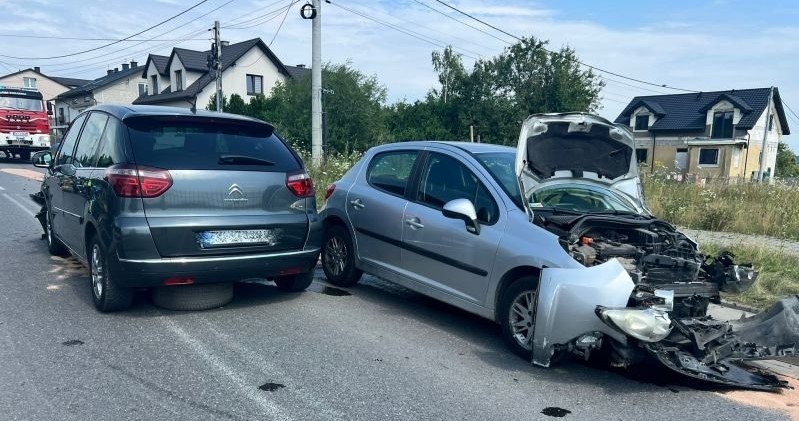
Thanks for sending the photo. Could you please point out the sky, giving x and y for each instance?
(697, 45)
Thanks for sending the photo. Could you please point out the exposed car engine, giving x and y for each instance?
(657, 257)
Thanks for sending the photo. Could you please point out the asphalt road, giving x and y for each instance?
(382, 352)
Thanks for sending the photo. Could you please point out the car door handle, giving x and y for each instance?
(357, 204)
(414, 223)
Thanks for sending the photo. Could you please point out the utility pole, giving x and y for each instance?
(765, 137)
(217, 52)
(316, 84)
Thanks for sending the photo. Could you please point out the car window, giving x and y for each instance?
(190, 143)
(68, 144)
(501, 165)
(110, 151)
(579, 198)
(445, 178)
(390, 171)
(89, 139)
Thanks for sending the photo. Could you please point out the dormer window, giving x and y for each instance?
(642, 122)
(154, 79)
(722, 125)
(178, 80)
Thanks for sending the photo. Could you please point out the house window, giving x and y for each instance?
(770, 122)
(178, 80)
(155, 84)
(709, 156)
(142, 89)
(61, 116)
(642, 122)
(722, 125)
(255, 84)
(641, 155)
(29, 82)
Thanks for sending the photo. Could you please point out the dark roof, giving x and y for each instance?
(160, 63)
(65, 81)
(103, 81)
(298, 72)
(230, 55)
(70, 82)
(688, 112)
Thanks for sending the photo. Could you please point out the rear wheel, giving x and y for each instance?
(338, 258)
(107, 295)
(193, 297)
(517, 315)
(54, 246)
(295, 283)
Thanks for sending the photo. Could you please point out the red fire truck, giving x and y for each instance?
(24, 126)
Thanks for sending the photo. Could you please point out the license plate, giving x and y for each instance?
(20, 134)
(208, 239)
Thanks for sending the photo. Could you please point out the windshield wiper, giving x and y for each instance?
(243, 160)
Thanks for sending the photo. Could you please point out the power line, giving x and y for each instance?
(111, 43)
(620, 83)
(233, 22)
(87, 39)
(288, 8)
(599, 69)
(789, 109)
(408, 32)
(462, 22)
(250, 23)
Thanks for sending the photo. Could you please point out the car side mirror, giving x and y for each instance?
(463, 209)
(42, 159)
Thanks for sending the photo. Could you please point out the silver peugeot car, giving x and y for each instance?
(553, 240)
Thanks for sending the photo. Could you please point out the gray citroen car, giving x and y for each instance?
(553, 240)
(164, 197)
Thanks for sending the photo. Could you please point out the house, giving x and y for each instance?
(49, 86)
(118, 86)
(183, 79)
(709, 134)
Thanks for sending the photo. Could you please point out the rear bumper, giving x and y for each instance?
(212, 269)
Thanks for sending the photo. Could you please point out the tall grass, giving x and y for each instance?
(746, 208)
(332, 168)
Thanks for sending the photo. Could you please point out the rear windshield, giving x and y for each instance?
(208, 144)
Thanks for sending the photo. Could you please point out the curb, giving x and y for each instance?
(736, 306)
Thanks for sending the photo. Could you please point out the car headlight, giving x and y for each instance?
(648, 325)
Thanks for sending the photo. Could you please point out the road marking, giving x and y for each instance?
(29, 174)
(2, 188)
(251, 391)
(21, 206)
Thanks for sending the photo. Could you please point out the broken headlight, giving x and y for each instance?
(648, 325)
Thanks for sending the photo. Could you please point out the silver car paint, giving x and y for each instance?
(522, 244)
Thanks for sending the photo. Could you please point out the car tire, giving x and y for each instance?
(54, 245)
(294, 283)
(193, 297)
(107, 294)
(338, 257)
(523, 291)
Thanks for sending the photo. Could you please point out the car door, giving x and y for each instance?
(60, 180)
(79, 189)
(375, 205)
(439, 251)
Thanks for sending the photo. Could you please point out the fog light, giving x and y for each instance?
(178, 280)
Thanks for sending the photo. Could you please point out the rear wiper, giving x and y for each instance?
(243, 160)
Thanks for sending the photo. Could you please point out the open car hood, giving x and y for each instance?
(578, 146)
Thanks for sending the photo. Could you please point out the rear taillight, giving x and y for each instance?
(329, 192)
(132, 181)
(300, 184)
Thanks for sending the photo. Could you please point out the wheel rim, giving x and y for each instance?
(521, 318)
(97, 270)
(335, 256)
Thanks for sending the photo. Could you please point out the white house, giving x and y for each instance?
(183, 78)
(50, 87)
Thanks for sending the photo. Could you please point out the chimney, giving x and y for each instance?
(133, 64)
(37, 69)
(116, 69)
(224, 43)
(110, 71)
(125, 66)
(301, 66)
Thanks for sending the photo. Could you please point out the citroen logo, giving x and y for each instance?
(234, 194)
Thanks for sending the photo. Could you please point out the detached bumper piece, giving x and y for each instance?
(718, 351)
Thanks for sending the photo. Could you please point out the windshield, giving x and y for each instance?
(501, 167)
(580, 198)
(20, 103)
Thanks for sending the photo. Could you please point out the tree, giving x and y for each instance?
(786, 162)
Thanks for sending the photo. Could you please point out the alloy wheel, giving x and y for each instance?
(335, 255)
(98, 272)
(522, 318)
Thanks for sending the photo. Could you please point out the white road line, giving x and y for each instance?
(21, 206)
(251, 391)
(2, 188)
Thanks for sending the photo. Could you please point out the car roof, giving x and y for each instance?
(470, 147)
(127, 111)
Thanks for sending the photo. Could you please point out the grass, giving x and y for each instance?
(779, 273)
(745, 208)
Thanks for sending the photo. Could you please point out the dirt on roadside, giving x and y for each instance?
(785, 401)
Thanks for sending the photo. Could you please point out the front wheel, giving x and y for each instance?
(517, 315)
(54, 245)
(107, 295)
(338, 257)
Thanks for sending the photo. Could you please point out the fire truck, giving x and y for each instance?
(24, 126)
